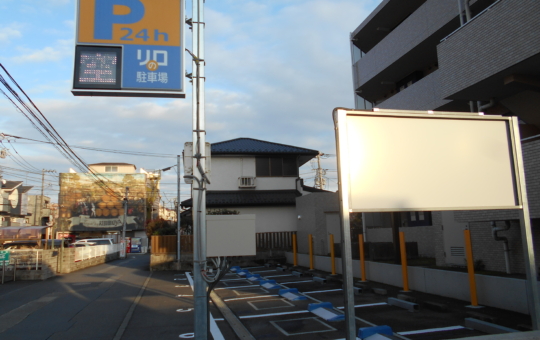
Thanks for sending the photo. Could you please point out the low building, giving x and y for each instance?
(257, 177)
(92, 204)
(14, 203)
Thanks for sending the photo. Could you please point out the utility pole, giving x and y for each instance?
(320, 180)
(198, 187)
(178, 238)
(123, 251)
(43, 171)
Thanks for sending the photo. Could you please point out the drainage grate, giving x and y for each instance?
(270, 304)
(302, 326)
(457, 251)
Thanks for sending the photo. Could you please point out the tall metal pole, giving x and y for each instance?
(123, 251)
(199, 167)
(178, 208)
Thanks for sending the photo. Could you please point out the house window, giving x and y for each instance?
(111, 169)
(276, 167)
(419, 218)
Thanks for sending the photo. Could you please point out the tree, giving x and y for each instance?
(160, 227)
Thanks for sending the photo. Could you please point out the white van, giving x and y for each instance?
(96, 241)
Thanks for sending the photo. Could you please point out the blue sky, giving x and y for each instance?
(275, 71)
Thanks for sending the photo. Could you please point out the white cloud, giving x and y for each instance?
(62, 49)
(8, 33)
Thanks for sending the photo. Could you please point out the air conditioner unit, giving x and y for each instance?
(246, 182)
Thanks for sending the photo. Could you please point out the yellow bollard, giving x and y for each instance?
(362, 257)
(404, 261)
(332, 254)
(295, 260)
(310, 240)
(470, 267)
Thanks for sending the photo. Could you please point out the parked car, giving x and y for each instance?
(96, 241)
(34, 244)
(82, 244)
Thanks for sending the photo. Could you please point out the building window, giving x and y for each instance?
(111, 169)
(276, 167)
(419, 218)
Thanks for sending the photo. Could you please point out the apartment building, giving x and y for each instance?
(457, 55)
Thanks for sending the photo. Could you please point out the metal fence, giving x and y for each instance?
(281, 240)
(25, 259)
(84, 253)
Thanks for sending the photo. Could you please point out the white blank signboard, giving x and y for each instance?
(230, 235)
(429, 162)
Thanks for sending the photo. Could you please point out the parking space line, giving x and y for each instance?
(272, 314)
(249, 297)
(254, 267)
(248, 286)
(232, 280)
(214, 329)
(367, 305)
(323, 291)
(278, 276)
(432, 330)
(264, 271)
(288, 283)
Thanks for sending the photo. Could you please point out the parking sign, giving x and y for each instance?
(129, 48)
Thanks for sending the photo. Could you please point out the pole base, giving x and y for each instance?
(474, 307)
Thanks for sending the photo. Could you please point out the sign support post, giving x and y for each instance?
(527, 239)
(199, 168)
(344, 209)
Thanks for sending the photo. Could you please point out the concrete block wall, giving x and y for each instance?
(475, 52)
(423, 236)
(493, 291)
(312, 210)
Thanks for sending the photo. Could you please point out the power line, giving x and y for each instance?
(124, 152)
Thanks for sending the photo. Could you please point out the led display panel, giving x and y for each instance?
(97, 67)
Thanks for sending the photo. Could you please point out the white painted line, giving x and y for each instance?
(272, 314)
(288, 283)
(263, 271)
(267, 277)
(367, 305)
(323, 291)
(253, 267)
(179, 279)
(249, 297)
(214, 329)
(184, 295)
(181, 286)
(432, 330)
(219, 319)
(248, 286)
(233, 280)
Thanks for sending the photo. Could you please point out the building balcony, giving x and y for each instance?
(408, 48)
(495, 55)
(423, 95)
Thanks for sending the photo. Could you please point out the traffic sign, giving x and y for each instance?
(129, 48)
(4, 255)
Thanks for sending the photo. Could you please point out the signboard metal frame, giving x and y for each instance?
(345, 190)
(126, 91)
